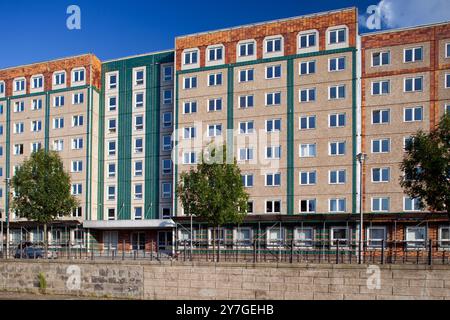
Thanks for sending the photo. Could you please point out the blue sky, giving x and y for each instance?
(34, 31)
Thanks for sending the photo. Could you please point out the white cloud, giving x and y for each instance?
(405, 13)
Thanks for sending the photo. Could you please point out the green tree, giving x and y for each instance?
(42, 189)
(214, 190)
(426, 165)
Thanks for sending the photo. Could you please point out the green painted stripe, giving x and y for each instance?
(88, 153)
(8, 155)
(101, 154)
(47, 122)
(290, 137)
(230, 113)
(354, 125)
(175, 153)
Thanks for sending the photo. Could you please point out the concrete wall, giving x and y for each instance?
(228, 281)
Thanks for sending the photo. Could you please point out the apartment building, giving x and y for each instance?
(405, 88)
(53, 106)
(134, 167)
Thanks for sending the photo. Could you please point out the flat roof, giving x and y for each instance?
(47, 61)
(420, 26)
(139, 55)
(322, 13)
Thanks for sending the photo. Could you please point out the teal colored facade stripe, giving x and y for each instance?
(88, 146)
(354, 125)
(47, 122)
(175, 158)
(101, 155)
(230, 112)
(8, 154)
(290, 137)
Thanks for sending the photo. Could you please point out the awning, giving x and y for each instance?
(129, 224)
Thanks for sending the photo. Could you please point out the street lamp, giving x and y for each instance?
(361, 157)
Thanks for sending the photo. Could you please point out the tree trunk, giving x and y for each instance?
(214, 243)
(45, 240)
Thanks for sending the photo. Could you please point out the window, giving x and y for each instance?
(273, 125)
(19, 85)
(413, 54)
(380, 204)
(214, 130)
(166, 213)
(246, 49)
(112, 147)
(1, 129)
(304, 237)
(37, 82)
(167, 143)
(381, 145)
(166, 190)
(308, 178)
(77, 166)
(77, 143)
(444, 237)
(189, 158)
(19, 106)
(138, 122)
(273, 72)
(166, 166)
(337, 148)
(167, 96)
(246, 127)
(245, 154)
(138, 145)
(273, 152)
(139, 77)
(447, 109)
(137, 213)
(36, 146)
(380, 116)
(250, 207)
(18, 127)
(273, 99)
(2, 87)
(243, 236)
(215, 54)
(78, 75)
(138, 191)
(416, 237)
(447, 80)
(376, 237)
(190, 82)
(189, 133)
(58, 145)
(381, 87)
(36, 104)
(275, 236)
(447, 50)
(336, 64)
(273, 206)
(308, 150)
(381, 58)
(77, 213)
(112, 81)
(215, 105)
(411, 204)
(111, 170)
(247, 180)
(36, 125)
(413, 114)
(215, 79)
(190, 57)
(246, 101)
(138, 168)
(307, 67)
(59, 78)
(77, 189)
(337, 205)
(167, 119)
(190, 107)
(413, 84)
(77, 121)
(407, 142)
(58, 123)
(246, 75)
(139, 100)
(112, 103)
(273, 45)
(112, 125)
(308, 206)
(307, 122)
(337, 177)
(307, 95)
(113, 242)
(381, 174)
(18, 149)
(58, 101)
(336, 120)
(168, 73)
(307, 40)
(337, 36)
(336, 92)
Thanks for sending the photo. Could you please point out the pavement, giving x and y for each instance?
(31, 296)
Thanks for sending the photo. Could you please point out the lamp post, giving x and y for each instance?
(361, 157)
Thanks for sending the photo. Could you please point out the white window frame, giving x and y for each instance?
(382, 169)
(414, 59)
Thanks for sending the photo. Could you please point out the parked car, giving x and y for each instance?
(28, 250)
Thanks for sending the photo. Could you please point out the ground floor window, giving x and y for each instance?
(219, 234)
(415, 237)
(138, 241)
(243, 236)
(275, 236)
(376, 236)
(304, 237)
(110, 240)
(78, 237)
(340, 235)
(444, 237)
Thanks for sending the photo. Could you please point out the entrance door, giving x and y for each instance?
(138, 241)
(110, 240)
(165, 241)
